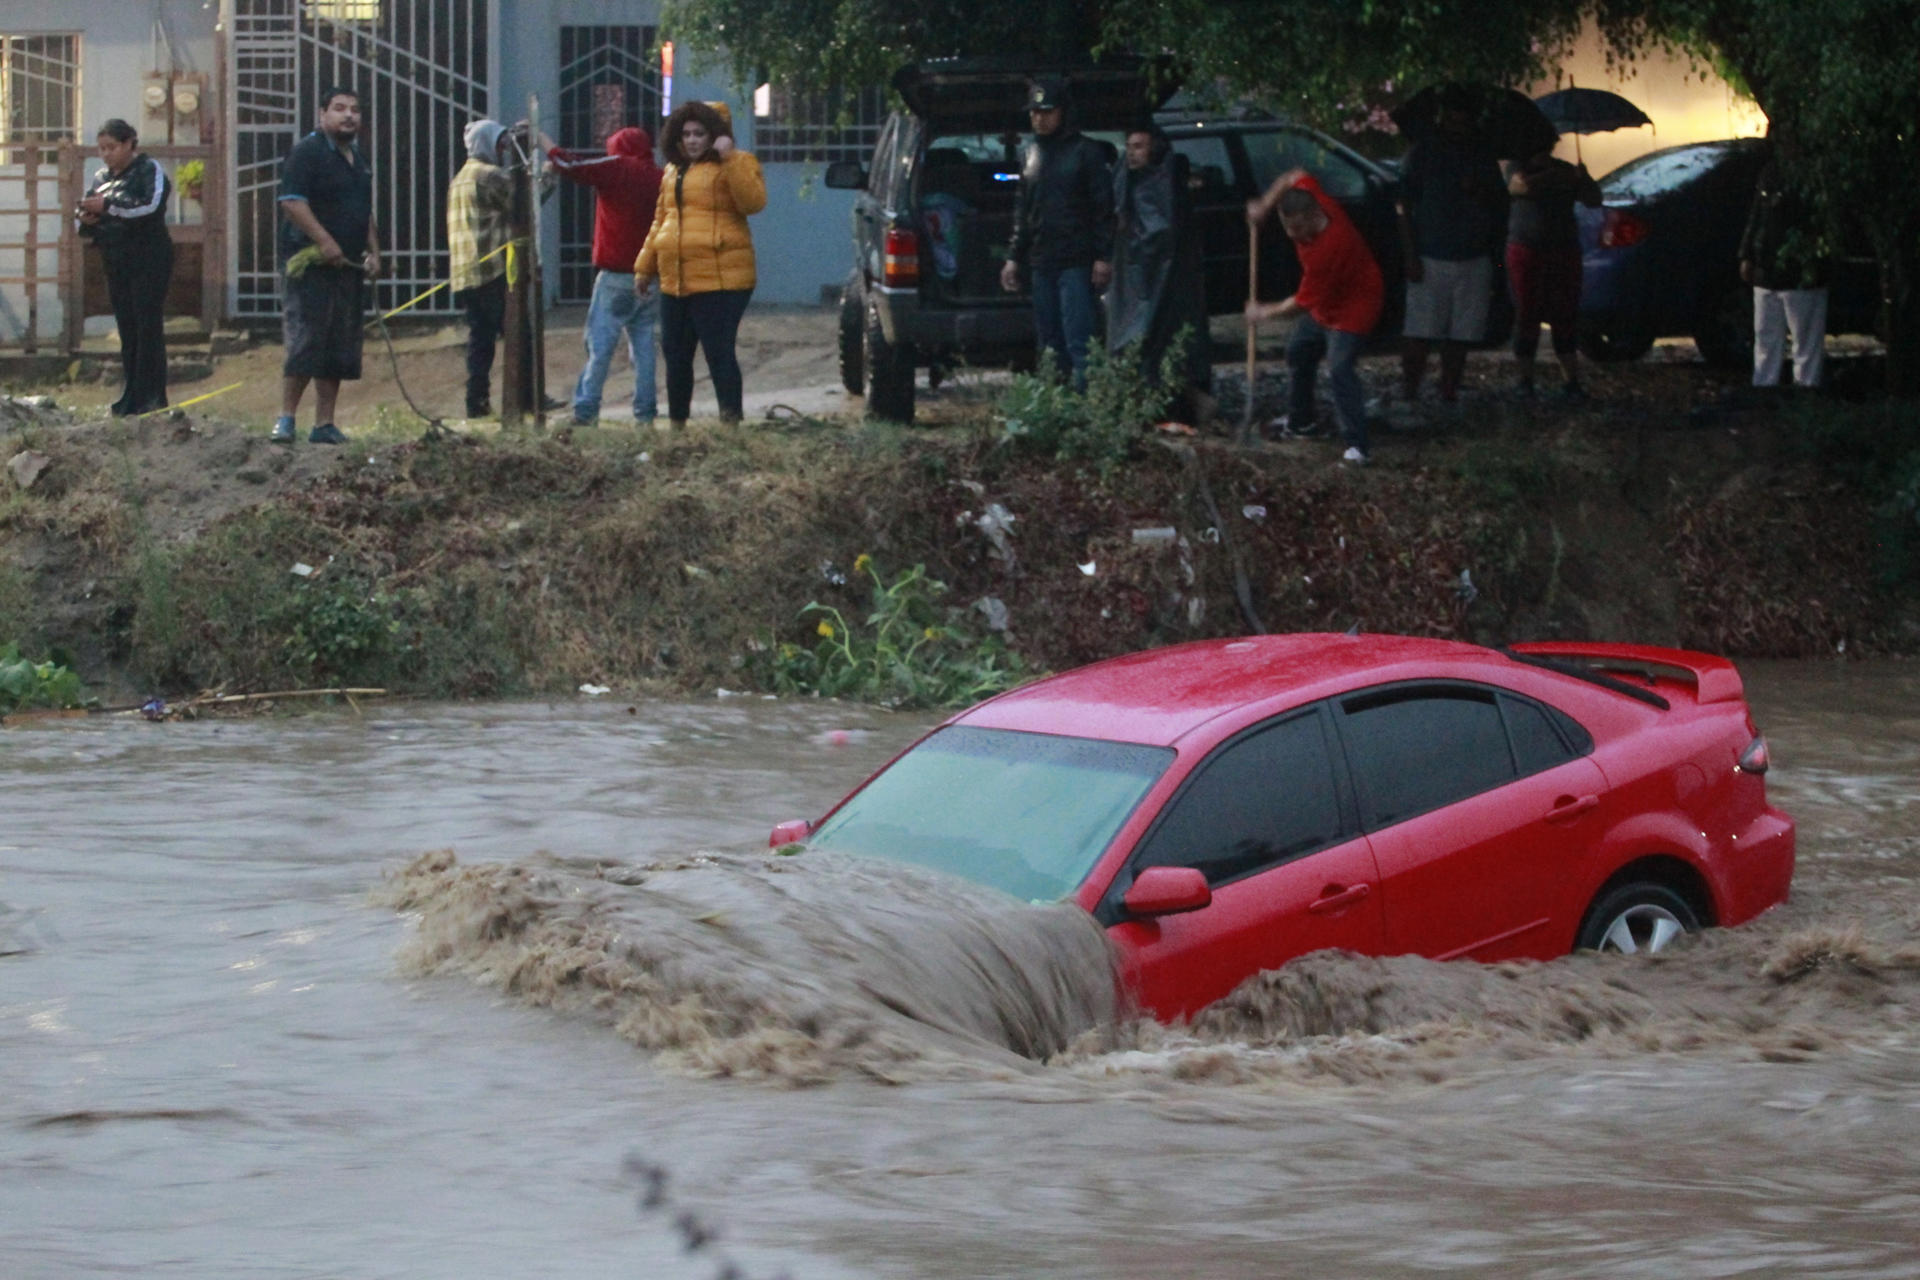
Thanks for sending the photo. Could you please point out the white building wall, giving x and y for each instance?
(118, 48)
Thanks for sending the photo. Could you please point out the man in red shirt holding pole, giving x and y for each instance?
(1337, 304)
(626, 183)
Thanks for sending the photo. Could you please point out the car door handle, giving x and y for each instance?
(1567, 808)
(1334, 898)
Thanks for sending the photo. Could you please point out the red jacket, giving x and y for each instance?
(626, 185)
(1340, 283)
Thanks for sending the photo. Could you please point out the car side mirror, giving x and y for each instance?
(1167, 891)
(790, 832)
(846, 175)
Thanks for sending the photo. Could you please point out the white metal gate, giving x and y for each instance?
(421, 70)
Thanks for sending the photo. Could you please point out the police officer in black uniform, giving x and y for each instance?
(1062, 228)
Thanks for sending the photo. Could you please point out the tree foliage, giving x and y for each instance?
(1839, 75)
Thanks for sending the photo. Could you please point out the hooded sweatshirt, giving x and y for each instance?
(699, 242)
(626, 184)
(479, 210)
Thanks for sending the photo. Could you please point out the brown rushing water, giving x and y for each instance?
(223, 1052)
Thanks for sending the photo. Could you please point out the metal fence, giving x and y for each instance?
(420, 68)
(609, 79)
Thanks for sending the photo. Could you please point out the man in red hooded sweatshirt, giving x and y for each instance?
(1338, 303)
(626, 184)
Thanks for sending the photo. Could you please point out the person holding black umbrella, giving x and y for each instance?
(1543, 260)
(1452, 201)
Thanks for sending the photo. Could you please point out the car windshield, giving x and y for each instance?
(1027, 813)
(1662, 171)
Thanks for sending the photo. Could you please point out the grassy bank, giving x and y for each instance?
(169, 559)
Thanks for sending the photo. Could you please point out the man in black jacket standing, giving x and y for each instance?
(1062, 229)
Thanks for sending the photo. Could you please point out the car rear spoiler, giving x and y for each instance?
(1714, 678)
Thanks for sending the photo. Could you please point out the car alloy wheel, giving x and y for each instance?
(1643, 928)
(1637, 919)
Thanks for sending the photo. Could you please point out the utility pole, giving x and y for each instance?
(523, 369)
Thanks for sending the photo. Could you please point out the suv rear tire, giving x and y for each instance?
(889, 373)
(853, 356)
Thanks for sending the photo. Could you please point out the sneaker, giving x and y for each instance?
(577, 421)
(283, 432)
(1355, 456)
(480, 409)
(326, 433)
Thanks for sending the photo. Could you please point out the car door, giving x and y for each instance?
(1477, 807)
(1220, 212)
(1269, 818)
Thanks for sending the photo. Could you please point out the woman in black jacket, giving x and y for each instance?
(124, 213)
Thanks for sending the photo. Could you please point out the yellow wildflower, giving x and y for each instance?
(931, 633)
(862, 562)
(825, 629)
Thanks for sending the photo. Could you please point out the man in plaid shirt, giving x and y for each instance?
(479, 225)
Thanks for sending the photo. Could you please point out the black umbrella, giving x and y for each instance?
(1590, 111)
(1505, 119)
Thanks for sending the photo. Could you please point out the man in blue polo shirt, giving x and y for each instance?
(326, 202)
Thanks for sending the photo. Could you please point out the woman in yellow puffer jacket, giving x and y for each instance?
(701, 253)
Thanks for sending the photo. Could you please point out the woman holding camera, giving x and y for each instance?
(124, 213)
(701, 253)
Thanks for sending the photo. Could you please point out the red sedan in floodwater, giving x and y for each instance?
(1225, 806)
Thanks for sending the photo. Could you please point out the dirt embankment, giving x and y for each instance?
(172, 555)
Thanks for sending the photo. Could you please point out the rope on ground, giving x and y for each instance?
(436, 426)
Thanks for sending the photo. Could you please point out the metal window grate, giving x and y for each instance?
(609, 79)
(817, 127)
(420, 68)
(39, 94)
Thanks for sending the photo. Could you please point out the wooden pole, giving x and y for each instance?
(1253, 295)
(516, 372)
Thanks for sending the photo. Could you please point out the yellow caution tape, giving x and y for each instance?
(513, 278)
(188, 404)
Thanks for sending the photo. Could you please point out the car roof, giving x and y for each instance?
(1160, 696)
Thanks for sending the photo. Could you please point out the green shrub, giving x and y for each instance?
(1101, 425)
(910, 651)
(337, 628)
(25, 684)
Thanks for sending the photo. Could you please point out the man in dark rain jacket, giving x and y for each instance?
(1062, 228)
(1159, 288)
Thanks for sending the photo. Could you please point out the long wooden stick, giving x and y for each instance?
(1253, 295)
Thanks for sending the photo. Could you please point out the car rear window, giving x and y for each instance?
(1027, 813)
(1416, 750)
(1537, 741)
(1663, 171)
(1271, 152)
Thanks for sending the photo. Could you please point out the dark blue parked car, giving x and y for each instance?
(1661, 257)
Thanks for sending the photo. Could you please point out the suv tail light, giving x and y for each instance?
(900, 266)
(1754, 759)
(1622, 230)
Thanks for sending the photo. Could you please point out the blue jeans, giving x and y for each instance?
(614, 308)
(1063, 317)
(1307, 345)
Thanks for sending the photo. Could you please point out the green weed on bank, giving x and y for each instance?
(910, 651)
(28, 685)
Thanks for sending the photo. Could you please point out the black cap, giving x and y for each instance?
(1046, 94)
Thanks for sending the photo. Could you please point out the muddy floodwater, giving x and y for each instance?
(458, 991)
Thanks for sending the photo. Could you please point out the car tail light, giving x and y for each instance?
(901, 265)
(1622, 230)
(1754, 758)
